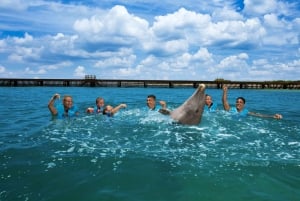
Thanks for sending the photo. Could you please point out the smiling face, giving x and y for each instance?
(240, 103)
(208, 100)
(67, 102)
(151, 101)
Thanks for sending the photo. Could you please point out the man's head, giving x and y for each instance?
(240, 103)
(100, 102)
(151, 101)
(67, 101)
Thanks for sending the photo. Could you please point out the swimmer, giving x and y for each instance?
(240, 107)
(98, 108)
(151, 103)
(66, 109)
(110, 111)
(209, 106)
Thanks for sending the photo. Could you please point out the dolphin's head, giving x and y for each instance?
(190, 112)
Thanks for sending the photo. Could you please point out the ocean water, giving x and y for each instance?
(137, 155)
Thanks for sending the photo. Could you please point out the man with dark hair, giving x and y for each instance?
(151, 103)
(240, 109)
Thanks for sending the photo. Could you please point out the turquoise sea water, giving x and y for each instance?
(138, 155)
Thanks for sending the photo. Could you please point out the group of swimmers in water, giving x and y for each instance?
(67, 109)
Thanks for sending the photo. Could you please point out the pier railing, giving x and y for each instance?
(93, 82)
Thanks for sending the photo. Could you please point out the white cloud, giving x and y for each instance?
(234, 67)
(271, 20)
(182, 24)
(27, 39)
(116, 26)
(260, 7)
(125, 72)
(79, 71)
(114, 62)
(264, 70)
(203, 55)
(226, 13)
(24, 53)
(93, 25)
(280, 32)
(2, 69)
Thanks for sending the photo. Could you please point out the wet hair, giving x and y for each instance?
(98, 99)
(104, 110)
(152, 96)
(243, 99)
(67, 96)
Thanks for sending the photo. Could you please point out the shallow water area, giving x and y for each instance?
(142, 155)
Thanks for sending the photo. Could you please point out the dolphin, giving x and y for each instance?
(190, 112)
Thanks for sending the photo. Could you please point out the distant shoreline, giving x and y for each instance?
(93, 82)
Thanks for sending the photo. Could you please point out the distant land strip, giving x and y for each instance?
(91, 81)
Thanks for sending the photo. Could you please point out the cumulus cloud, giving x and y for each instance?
(116, 26)
(234, 66)
(226, 13)
(22, 54)
(278, 7)
(260, 7)
(182, 24)
(272, 20)
(26, 39)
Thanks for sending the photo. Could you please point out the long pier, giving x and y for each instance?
(93, 82)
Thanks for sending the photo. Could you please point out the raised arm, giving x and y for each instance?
(275, 116)
(163, 109)
(226, 105)
(51, 107)
(163, 104)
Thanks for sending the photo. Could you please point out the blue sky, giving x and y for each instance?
(136, 39)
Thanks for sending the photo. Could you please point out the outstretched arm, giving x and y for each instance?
(116, 109)
(226, 105)
(275, 116)
(51, 107)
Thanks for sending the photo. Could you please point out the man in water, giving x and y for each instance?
(151, 103)
(66, 109)
(240, 109)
